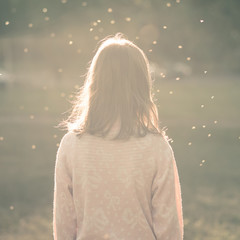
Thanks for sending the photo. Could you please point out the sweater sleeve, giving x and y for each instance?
(64, 216)
(166, 197)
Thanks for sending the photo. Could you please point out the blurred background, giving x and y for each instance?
(194, 51)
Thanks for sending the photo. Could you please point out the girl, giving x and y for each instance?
(115, 175)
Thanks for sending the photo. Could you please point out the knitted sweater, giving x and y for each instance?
(116, 190)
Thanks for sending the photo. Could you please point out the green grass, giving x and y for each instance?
(210, 192)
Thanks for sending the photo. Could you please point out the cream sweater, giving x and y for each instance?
(116, 190)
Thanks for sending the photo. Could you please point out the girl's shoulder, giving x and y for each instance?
(68, 138)
(161, 142)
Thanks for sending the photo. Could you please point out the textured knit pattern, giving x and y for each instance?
(116, 190)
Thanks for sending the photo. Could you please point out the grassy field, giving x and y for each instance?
(210, 188)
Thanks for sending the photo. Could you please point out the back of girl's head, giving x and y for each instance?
(117, 88)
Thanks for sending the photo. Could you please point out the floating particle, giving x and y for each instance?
(171, 141)
(33, 146)
(106, 236)
(70, 42)
(0, 74)
(203, 126)
(201, 20)
(91, 29)
(158, 90)
(203, 161)
(200, 164)
(180, 46)
(25, 50)
(62, 94)
(128, 19)
(1, 138)
(193, 127)
(112, 21)
(212, 97)
(64, 1)
(109, 10)
(137, 37)
(188, 59)
(52, 35)
(189, 144)
(98, 20)
(95, 24)
(171, 92)
(177, 1)
(150, 50)
(30, 25)
(205, 72)
(79, 50)
(55, 136)
(154, 42)
(177, 78)
(215, 121)
(239, 137)
(7, 23)
(96, 37)
(164, 27)
(209, 135)
(21, 107)
(11, 207)
(46, 18)
(84, 4)
(44, 10)
(163, 76)
(31, 116)
(46, 108)
(202, 106)
(60, 70)
(169, 4)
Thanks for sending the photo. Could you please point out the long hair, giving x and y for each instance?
(117, 88)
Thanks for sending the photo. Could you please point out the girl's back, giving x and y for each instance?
(117, 190)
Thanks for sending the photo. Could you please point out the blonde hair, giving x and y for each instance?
(117, 86)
